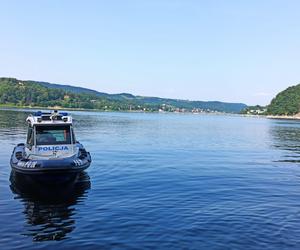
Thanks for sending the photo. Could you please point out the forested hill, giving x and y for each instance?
(16, 92)
(286, 102)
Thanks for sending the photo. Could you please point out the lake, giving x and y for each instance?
(162, 181)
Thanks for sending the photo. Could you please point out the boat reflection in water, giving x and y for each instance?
(49, 210)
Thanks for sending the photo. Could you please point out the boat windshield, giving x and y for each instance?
(53, 135)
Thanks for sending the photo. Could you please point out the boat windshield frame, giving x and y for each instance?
(67, 128)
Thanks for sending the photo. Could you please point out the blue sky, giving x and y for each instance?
(234, 51)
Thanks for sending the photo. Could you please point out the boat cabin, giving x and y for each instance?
(50, 133)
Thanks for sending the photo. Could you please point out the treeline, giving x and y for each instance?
(286, 102)
(31, 93)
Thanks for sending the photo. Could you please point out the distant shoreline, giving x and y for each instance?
(108, 110)
(274, 117)
(46, 108)
(284, 117)
(70, 109)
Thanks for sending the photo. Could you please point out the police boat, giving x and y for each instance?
(51, 148)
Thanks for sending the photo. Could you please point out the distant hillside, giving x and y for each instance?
(80, 90)
(286, 102)
(33, 93)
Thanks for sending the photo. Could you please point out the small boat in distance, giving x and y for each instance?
(51, 152)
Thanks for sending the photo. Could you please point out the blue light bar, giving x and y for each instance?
(38, 113)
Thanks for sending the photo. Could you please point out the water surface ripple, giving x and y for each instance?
(161, 181)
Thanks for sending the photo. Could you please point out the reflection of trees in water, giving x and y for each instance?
(12, 126)
(49, 211)
(13, 118)
(286, 136)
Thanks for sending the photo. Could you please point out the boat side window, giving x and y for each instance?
(53, 135)
(30, 136)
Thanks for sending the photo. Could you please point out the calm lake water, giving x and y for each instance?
(163, 181)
